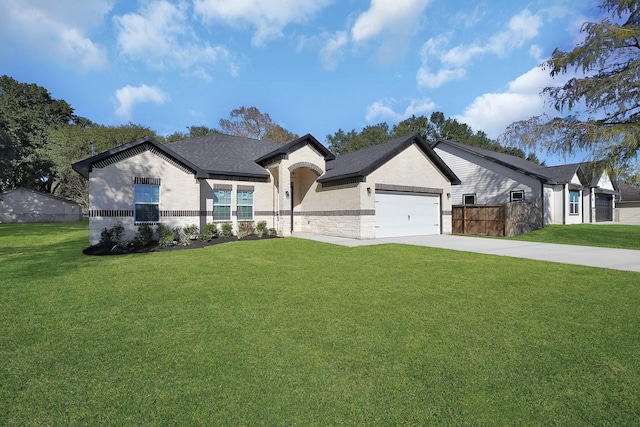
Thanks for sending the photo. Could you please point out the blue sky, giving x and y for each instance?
(314, 65)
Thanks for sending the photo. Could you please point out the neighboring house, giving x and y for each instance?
(628, 204)
(397, 188)
(25, 205)
(603, 189)
(569, 194)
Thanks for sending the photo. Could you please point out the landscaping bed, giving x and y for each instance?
(129, 248)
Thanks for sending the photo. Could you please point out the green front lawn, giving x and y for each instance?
(605, 236)
(296, 332)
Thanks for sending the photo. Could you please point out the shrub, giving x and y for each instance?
(261, 228)
(165, 235)
(245, 228)
(113, 235)
(117, 232)
(180, 236)
(273, 232)
(106, 236)
(191, 231)
(209, 231)
(226, 229)
(144, 235)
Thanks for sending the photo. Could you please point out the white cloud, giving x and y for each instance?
(160, 35)
(493, 112)
(58, 29)
(128, 96)
(333, 48)
(379, 112)
(268, 17)
(431, 49)
(388, 16)
(536, 52)
(427, 79)
(522, 28)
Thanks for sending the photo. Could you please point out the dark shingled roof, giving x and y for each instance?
(512, 162)
(628, 193)
(564, 173)
(83, 167)
(284, 150)
(207, 156)
(589, 173)
(220, 154)
(593, 172)
(361, 163)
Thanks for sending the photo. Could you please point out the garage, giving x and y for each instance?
(407, 214)
(604, 207)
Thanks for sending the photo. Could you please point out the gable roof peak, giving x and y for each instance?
(294, 145)
(360, 163)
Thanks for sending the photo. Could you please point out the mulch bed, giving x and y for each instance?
(102, 249)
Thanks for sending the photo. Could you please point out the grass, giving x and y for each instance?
(295, 332)
(605, 236)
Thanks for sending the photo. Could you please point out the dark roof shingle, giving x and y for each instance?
(220, 154)
(628, 193)
(362, 162)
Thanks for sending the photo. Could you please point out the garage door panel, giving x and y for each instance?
(604, 208)
(407, 214)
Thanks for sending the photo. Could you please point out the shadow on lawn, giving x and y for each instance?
(46, 259)
(31, 229)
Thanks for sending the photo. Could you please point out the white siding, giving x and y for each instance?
(558, 204)
(629, 213)
(491, 182)
(605, 182)
(549, 204)
(25, 205)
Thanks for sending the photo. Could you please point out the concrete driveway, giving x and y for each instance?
(616, 259)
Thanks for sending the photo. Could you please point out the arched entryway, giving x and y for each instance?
(303, 186)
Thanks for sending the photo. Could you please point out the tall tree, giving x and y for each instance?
(342, 143)
(433, 128)
(600, 106)
(27, 114)
(192, 132)
(251, 123)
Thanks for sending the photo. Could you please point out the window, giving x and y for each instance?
(574, 203)
(517, 196)
(468, 199)
(222, 205)
(146, 203)
(245, 205)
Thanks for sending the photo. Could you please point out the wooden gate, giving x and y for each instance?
(479, 220)
(503, 220)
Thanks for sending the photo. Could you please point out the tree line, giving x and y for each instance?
(40, 137)
(599, 111)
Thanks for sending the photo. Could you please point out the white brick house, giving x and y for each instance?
(397, 188)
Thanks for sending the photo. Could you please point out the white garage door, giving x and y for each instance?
(407, 214)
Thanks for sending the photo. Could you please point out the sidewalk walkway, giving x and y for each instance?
(616, 259)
